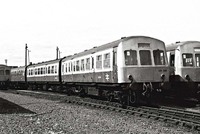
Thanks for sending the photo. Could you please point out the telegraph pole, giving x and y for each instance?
(26, 48)
(57, 51)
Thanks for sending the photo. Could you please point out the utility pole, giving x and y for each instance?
(6, 61)
(57, 53)
(28, 56)
(26, 48)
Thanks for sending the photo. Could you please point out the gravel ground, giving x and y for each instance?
(53, 117)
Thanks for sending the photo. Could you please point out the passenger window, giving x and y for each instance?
(66, 67)
(197, 57)
(187, 59)
(36, 71)
(69, 67)
(107, 60)
(52, 69)
(49, 70)
(115, 58)
(7, 72)
(145, 57)
(99, 62)
(88, 64)
(130, 57)
(77, 65)
(82, 65)
(39, 71)
(55, 69)
(158, 56)
(1, 72)
(92, 62)
(74, 66)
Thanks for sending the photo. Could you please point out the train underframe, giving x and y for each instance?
(4, 85)
(186, 90)
(125, 93)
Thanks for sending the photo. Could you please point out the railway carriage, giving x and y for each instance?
(126, 69)
(44, 75)
(4, 76)
(184, 59)
(18, 77)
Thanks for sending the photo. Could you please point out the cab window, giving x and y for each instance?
(130, 57)
(145, 57)
(158, 56)
(187, 59)
(197, 58)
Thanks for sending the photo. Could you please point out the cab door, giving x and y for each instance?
(115, 71)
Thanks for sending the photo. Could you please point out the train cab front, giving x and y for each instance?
(190, 73)
(143, 64)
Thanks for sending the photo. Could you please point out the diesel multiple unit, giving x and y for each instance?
(127, 69)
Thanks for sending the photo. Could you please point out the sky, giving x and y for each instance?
(76, 25)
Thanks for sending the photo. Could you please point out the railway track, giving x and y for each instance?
(167, 114)
(170, 115)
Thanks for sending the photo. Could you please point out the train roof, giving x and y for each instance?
(106, 46)
(93, 50)
(18, 68)
(45, 62)
(173, 46)
(5, 66)
(2, 65)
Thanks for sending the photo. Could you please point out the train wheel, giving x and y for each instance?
(124, 99)
(82, 92)
(45, 87)
(134, 98)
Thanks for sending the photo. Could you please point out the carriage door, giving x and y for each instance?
(115, 80)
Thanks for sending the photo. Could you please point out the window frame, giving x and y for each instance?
(107, 60)
(132, 54)
(99, 61)
(157, 63)
(196, 59)
(185, 62)
(142, 59)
